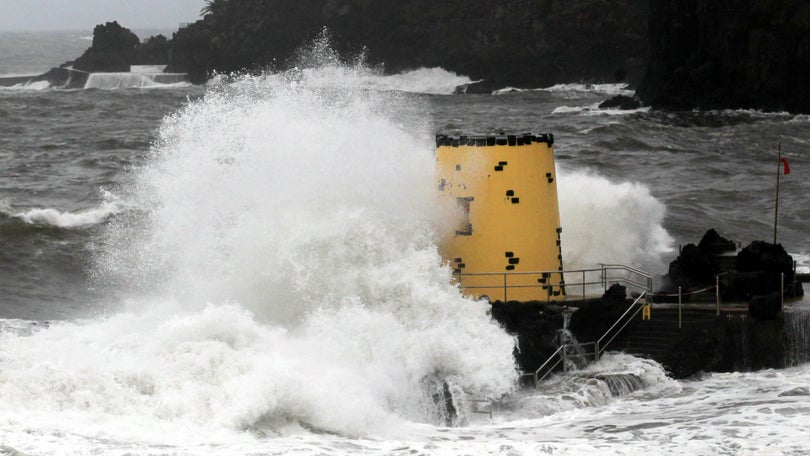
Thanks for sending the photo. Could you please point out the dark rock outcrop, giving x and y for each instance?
(156, 50)
(622, 102)
(112, 50)
(765, 263)
(717, 54)
(535, 324)
(697, 265)
(755, 271)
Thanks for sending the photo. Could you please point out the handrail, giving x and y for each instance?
(537, 372)
(625, 267)
(642, 282)
(561, 352)
(601, 348)
(629, 308)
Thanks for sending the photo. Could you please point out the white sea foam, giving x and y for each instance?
(28, 86)
(66, 219)
(435, 81)
(607, 222)
(595, 110)
(609, 89)
(606, 89)
(424, 80)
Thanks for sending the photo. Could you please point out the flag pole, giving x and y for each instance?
(776, 207)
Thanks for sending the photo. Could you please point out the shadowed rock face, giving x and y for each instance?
(716, 54)
(523, 43)
(112, 49)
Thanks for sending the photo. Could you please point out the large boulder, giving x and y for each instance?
(767, 262)
(622, 102)
(697, 265)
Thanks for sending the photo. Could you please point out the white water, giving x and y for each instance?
(607, 222)
(132, 80)
(606, 89)
(424, 80)
(28, 86)
(434, 81)
(595, 110)
(65, 219)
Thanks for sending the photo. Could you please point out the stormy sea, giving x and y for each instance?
(250, 267)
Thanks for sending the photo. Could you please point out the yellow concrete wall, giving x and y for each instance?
(514, 230)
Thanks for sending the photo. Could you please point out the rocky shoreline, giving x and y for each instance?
(680, 55)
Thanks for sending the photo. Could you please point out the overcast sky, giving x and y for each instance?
(85, 14)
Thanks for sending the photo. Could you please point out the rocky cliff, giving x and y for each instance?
(712, 54)
(116, 49)
(527, 43)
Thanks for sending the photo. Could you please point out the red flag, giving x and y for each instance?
(785, 165)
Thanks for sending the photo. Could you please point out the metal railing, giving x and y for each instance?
(589, 280)
(562, 353)
(600, 347)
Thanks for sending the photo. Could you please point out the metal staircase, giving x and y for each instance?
(590, 351)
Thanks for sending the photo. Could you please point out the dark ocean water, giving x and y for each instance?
(250, 268)
(62, 150)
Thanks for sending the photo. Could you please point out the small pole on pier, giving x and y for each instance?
(780, 162)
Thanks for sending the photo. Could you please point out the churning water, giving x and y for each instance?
(251, 268)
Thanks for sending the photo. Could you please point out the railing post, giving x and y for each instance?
(680, 301)
(604, 278)
(717, 293)
(583, 284)
(504, 288)
(782, 290)
(596, 351)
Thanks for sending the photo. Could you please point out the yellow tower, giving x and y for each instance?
(507, 245)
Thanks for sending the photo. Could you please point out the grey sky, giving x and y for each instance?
(85, 14)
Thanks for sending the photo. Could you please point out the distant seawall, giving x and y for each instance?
(66, 78)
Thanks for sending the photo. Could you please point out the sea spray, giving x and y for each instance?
(280, 260)
(607, 222)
